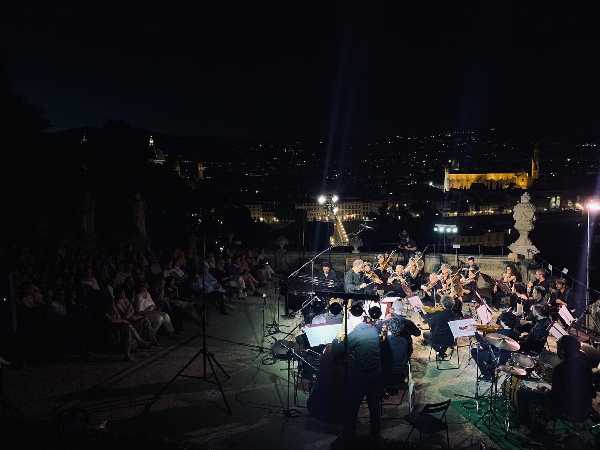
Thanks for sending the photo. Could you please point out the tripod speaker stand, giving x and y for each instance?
(207, 357)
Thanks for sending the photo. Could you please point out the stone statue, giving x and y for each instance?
(139, 215)
(88, 216)
(356, 242)
(524, 215)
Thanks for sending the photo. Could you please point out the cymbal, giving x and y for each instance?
(523, 361)
(517, 371)
(502, 342)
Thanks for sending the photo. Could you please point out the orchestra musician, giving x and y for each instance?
(503, 286)
(469, 284)
(438, 281)
(373, 280)
(327, 272)
(471, 265)
(564, 296)
(406, 245)
(397, 347)
(440, 336)
(397, 282)
(364, 379)
(535, 340)
(540, 280)
(354, 281)
(413, 272)
(486, 355)
(383, 267)
(572, 386)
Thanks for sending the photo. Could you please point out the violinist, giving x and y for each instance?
(471, 265)
(397, 282)
(413, 272)
(383, 268)
(372, 278)
(469, 284)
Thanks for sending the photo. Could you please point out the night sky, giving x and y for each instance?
(290, 69)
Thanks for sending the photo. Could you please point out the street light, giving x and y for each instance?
(592, 207)
(444, 229)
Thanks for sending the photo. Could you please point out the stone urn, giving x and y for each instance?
(282, 242)
(524, 215)
(356, 243)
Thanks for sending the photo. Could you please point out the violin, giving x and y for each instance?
(403, 284)
(385, 265)
(433, 280)
(373, 277)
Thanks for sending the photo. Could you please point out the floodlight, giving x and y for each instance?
(593, 205)
(321, 199)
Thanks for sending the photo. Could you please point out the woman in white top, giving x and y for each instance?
(146, 306)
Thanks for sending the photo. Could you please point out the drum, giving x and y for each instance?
(546, 363)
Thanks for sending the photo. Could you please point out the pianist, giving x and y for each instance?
(354, 279)
(327, 273)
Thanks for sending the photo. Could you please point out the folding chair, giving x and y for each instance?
(454, 348)
(431, 419)
(406, 388)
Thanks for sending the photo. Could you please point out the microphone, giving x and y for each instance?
(366, 226)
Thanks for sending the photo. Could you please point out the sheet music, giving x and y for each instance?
(464, 327)
(566, 315)
(484, 314)
(415, 302)
(322, 334)
(557, 330)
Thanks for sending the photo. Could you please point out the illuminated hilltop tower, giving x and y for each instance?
(494, 180)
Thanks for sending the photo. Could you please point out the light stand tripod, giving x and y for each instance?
(272, 327)
(491, 412)
(206, 355)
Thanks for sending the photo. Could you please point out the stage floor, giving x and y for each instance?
(192, 414)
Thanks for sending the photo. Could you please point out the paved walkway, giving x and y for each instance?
(116, 394)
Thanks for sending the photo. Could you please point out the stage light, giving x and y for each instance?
(334, 198)
(375, 312)
(335, 210)
(321, 199)
(435, 229)
(593, 205)
(357, 310)
(335, 308)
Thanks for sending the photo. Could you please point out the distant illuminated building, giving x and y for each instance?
(201, 169)
(155, 154)
(494, 180)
